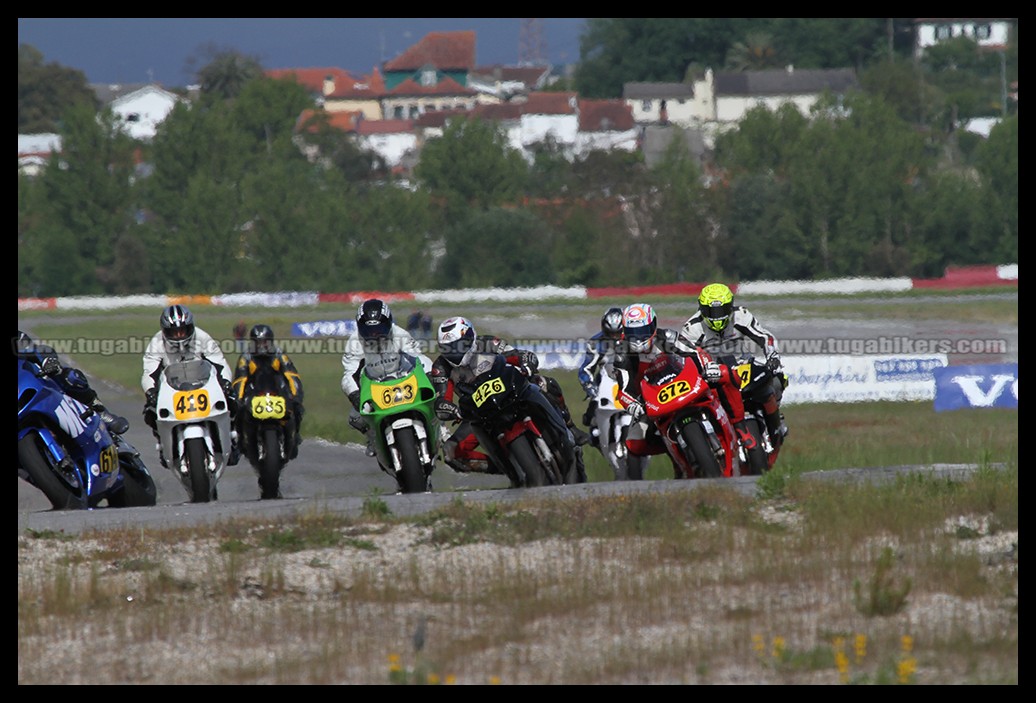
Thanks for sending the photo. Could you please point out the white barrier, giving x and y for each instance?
(852, 379)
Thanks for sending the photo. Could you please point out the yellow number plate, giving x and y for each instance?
(490, 387)
(387, 396)
(109, 459)
(268, 407)
(745, 372)
(188, 405)
(673, 391)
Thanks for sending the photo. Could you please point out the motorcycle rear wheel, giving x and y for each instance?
(411, 476)
(525, 456)
(194, 449)
(699, 452)
(60, 493)
(270, 466)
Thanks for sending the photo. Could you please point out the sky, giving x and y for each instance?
(139, 50)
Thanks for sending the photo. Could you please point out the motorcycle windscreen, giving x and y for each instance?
(188, 374)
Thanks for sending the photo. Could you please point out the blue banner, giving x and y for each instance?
(985, 386)
(323, 328)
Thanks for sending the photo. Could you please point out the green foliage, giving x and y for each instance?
(497, 247)
(471, 166)
(47, 90)
(883, 596)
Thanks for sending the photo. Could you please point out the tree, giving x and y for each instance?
(471, 165)
(755, 53)
(226, 72)
(496, 247)
(46, 91)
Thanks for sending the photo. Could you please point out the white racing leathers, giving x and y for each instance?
(400, 341)
(156, 355)
(743, 336)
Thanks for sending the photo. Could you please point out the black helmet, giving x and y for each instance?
(177, 327)
(262, 340)
(374, 320)
(611, 323)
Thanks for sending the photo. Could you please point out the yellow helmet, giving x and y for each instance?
(716, 304)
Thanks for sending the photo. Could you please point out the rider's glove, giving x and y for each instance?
(50, 365)
(774, 362)
(150, 398)
(357, 422)
(529, 360)
(354, 398)
(590, 391)
(446, 411)
(712, 371)
(228, 391)
(636, 410)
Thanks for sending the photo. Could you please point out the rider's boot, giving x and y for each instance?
(578, 435)
(747, 440)
(116, 423)
(235, 449)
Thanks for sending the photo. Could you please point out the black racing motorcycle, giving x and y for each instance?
(267, 429)
(757, 381)
(512, 427)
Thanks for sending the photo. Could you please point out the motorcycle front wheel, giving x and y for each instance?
(699, 451)
(522, 453)
(411, 476)
(270, 465)
(138, 488)
(757, 460)
(194, 450)
(61, 494)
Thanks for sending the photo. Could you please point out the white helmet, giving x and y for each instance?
(639, 324)
(456, 336)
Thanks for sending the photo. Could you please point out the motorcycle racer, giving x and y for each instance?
(720, 327)
(179, 339)
(261, 352)
(599, 349)
(376, 333)
(642, 342)
(72, 381)
(458, 345)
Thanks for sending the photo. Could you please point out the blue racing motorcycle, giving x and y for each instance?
(66, 450)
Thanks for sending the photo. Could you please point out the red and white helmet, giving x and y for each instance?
(639, 324)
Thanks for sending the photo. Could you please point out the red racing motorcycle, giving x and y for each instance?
(688, 413)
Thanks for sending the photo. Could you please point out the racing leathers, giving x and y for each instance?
(600, 349)
(353, 360)
(459, 449)
(743, 336)
(247, 366)
(628, 369)
(157, 357)
(72, 381)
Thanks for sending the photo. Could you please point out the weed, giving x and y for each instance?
(883, 597)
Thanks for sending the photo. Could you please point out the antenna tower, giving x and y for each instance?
(532, 49)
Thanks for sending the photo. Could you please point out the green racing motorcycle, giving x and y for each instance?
(397, 400)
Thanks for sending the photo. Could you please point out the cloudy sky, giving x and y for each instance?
(136, 50)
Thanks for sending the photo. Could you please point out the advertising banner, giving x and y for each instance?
(983, 386)
(851, 379)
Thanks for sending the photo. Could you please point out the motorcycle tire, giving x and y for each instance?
(522, 453)
(138, 488)
(699, 452)
(194, 450)
(411, 476)
(757, 460)
(270, 465)
(61, 494)
(634, 465)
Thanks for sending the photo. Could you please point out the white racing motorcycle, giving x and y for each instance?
(612, 424)
(194, 426)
